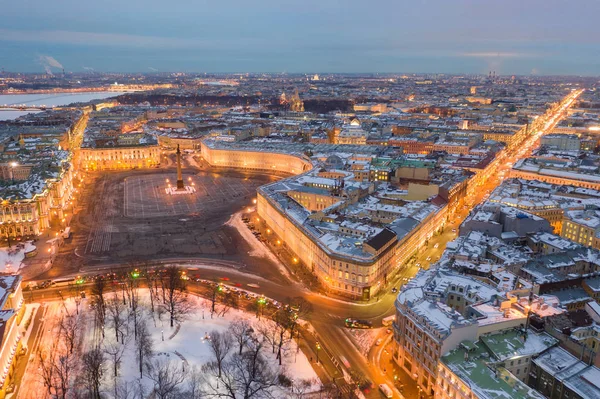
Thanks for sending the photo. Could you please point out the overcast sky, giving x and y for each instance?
(454, 36)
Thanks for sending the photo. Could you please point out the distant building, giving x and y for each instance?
(125, 151)
(563, 142)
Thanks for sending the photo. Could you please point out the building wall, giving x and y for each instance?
(579, 233)
(120, 157)
(344, 276)
(19, 219)
(565, 142)
(421, 192)
(184, 144)
(11, 341)
(29, 216)
(254, 160)
(519, 174)
(354, 278)
(419, 348)
(450, 386)
(313, 201)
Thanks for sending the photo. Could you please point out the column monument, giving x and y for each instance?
(180, 188)
(180, 185)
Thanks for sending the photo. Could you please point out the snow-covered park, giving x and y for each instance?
(135, 353)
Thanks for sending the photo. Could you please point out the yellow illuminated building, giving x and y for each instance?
(358, 277)
(122, 157)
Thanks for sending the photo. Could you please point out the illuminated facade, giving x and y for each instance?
(122, 157)
(12, 331)
(358, 273)
(254, 160)
(28, 217)
(582, 226)
(554, 179)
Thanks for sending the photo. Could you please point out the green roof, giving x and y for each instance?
(475, 370)
(511, 343)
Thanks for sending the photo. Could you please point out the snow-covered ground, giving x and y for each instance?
(259, 249)
(364, 339)
(187, 346)
(11, 258)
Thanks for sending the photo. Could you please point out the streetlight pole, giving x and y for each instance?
(318, 346)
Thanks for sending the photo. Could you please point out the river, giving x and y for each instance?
(48, 100)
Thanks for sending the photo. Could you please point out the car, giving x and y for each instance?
(394, 290)
(454, 230)
(436, 246)
(428, 258)
(419, 265)
(378, 342)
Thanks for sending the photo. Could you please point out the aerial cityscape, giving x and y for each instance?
(261, 223)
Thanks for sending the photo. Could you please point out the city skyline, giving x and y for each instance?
(519, 38)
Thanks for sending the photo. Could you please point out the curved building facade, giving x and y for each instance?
(358, 269)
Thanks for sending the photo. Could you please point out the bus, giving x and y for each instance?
(387, 392)
(387, 321)
(354, 323)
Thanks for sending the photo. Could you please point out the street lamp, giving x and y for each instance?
(318, 346)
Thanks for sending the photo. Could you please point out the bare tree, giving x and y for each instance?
(301, 388)
(215, 293)
(220, 345)
(70, 326)
(114, 351)
(128, 390)
(93, 364)
(283, 319)
(143, 345)
(194, 384)
(46, 360)
(230, 300)
(133, 295)
(269, 332)
(167, 378)
(98, 290)
(245, 376)
(299, 309)
(176, 301)
(152, 281)
(241, 331)
(116, 314)
(56, 368)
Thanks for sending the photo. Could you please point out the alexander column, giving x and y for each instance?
(179, 178)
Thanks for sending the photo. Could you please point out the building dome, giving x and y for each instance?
(334, 162)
